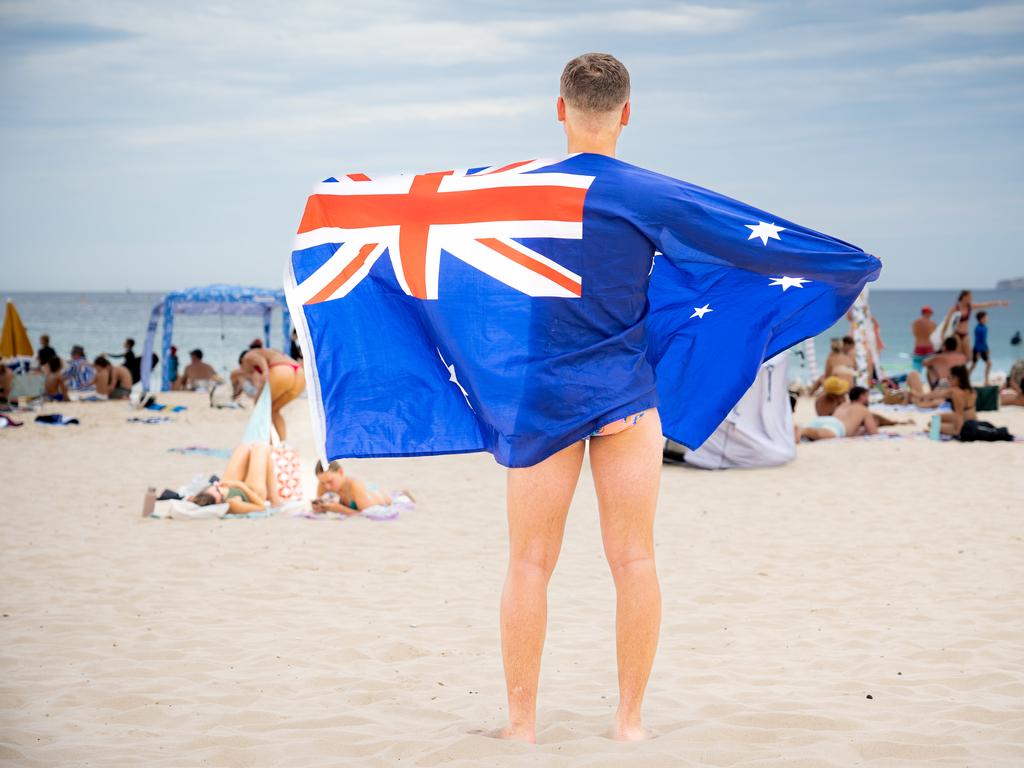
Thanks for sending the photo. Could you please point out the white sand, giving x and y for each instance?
(892, 569)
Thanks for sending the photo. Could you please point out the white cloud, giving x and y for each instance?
(985, 20)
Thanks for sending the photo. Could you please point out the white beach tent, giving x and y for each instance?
(758, 432)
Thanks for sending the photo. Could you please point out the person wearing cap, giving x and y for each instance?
(833, 396)
(923, 327)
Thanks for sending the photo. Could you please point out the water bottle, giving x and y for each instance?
(149, 504)
(936, 428)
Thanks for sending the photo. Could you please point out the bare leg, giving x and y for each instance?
(538, 502)
(238, 464)
(627, 472)
(256, 476)
(272, 495)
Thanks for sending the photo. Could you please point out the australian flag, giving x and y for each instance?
(517, 309)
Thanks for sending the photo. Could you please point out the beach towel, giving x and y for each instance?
(201, 450)
(151, 420)
(400, 502)
(7, 421)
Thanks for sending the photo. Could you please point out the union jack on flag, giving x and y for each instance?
(518, 308)
(474, 216)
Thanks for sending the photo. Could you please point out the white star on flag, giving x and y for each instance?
(764, 231)
(788, 282)
(699, 312)
(454, 379)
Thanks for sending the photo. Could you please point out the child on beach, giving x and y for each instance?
(54, 387)
(981, 345)
(338, 492)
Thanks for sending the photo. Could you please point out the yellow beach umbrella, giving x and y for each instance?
(14, 341)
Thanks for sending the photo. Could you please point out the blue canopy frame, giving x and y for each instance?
(211, 300)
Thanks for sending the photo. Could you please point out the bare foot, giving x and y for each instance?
(518, 733)
(623, 732)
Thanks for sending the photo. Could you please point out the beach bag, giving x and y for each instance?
(287, 472)
(988, 398)
(982, 431)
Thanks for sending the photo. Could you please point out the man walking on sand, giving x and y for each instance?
(529, 308)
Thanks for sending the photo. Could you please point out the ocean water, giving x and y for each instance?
(101, 321)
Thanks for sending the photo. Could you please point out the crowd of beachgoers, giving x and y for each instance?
(945, 358)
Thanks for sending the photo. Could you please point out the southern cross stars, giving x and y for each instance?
(764, 231)
(699, 312)
(788, 282)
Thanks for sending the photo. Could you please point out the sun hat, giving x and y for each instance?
(836, 386)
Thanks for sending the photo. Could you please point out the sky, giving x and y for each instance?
(151, 146)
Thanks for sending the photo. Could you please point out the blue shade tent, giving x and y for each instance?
(211, 300)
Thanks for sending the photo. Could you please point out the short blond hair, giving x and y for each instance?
(595, 82)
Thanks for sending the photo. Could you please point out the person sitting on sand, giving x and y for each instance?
(6, 383)
(79, 373)
(247, 484)
(338, 492)
(938, 366)
(197, 373)
(833, 396)
(114, 381)
(284, 376)
(849, 420)
(54, 387)
(1013, 394)
(963, 398)
(839, 363)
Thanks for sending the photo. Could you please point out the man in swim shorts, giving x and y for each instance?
(922, 328)
(625, 459)
(849, 420)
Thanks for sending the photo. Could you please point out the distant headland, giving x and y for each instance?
(1011, 284)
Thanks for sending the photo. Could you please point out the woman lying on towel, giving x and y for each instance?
(338, 492)
(248, 482)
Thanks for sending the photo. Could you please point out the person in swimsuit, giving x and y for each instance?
(963, 328)
(833, 396)
(849, 420)
(54, 387)
(963, 398)
(938, 366)
(248, 482)
(114, 381)
(923, 328)
(283, 374)
(339, 492)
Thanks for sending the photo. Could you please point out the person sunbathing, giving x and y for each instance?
(849, 420)
(339, 492)
(914, 394)
(1013, 393)
(247, 484)
(284, 375)
(54, 387)
(114, 381)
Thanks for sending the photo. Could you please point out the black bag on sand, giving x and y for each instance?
(982, 431)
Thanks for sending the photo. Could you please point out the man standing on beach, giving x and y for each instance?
(923, 327)
(625, 459)
(526, 308)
